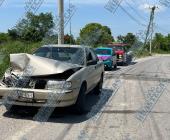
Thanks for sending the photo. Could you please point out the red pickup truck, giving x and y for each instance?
(121, 52)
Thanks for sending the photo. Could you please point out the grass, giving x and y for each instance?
(141, 53)
(12, 47)
(161, 52)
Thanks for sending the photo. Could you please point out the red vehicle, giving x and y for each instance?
(121, 52)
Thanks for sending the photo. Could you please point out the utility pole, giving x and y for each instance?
(150, 28)
(61, 21)
(70, 19)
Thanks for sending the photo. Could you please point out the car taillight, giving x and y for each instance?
(120, 56)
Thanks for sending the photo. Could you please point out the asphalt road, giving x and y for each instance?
(112, 116)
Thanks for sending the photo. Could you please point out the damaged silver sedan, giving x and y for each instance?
(54, 76)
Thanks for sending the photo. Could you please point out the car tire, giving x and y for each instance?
(122, 63)
(125, 64)
(80, 106)
(110, 68)
(98, 88)
(115, 66)
(10, 108)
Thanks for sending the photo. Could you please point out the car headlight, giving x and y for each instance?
(58, 85)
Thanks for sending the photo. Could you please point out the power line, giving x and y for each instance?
(118, 4)
(113, 5)
(135, 11)
(160, 28)
(150, 27)
(1, 2)
(132, 17)
(33, 5)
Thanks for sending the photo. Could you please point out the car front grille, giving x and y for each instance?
(31, 83)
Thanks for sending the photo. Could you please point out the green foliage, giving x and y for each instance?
(33, 27)
(35, 31)
(95, 34)
(78, 40)
(161, 42)
(3, 37)
(143, 53)
(130, 39)
(69, 39)
(50, 39)
(12, 47)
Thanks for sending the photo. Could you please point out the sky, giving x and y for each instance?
(94, 11)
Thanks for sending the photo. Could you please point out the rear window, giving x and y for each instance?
(103, 52)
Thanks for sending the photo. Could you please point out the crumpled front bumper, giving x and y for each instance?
(50, 98)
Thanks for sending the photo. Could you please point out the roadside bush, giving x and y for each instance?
(3, 38)
(12, 47)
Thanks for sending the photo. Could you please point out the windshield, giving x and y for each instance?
(103, 52)
(65, 54)
(118, 48)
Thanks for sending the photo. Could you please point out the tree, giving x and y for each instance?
(130, 39)
(95, 34)
(78, 41)
(161, 42)
(69, 39)
(3, 37)
(33, 27)
(121, 38)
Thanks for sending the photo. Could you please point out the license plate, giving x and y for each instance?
(28, 95)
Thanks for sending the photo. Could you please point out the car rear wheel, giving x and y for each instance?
(115, 66)
(80, 106)
(98, 88)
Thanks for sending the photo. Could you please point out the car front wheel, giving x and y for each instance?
(98, 88)
(80, 106)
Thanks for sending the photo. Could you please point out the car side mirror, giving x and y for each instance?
(92, 63)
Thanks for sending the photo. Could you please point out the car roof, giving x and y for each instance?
(117, 45)
(66, 46)
(104, 48)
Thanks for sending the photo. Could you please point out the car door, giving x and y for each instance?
(90, 70)
(98, 67)
(114, 57)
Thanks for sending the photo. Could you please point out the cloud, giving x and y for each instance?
(146, 7)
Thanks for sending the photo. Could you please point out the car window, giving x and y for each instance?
(95, 58)
(89, 57)
(103, 51)
(64, 54)
(114, 52)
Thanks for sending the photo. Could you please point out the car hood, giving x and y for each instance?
(31, 65)
(120, 52)
(104, 57)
